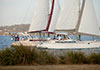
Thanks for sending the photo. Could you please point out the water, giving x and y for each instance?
(86, 38)
(5, 41)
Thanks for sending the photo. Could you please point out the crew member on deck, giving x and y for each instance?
(17, 37)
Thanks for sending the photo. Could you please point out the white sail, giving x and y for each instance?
(54, 16)
(68, 16)
(40, 16)
(89, 24)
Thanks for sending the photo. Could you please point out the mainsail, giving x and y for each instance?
(41, 22)
(68, 16)
(89, 24)
(54, 16)
(79, 21)
(40, 16)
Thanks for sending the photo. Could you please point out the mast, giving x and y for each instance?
(80, 17)
(79, 20)
(50, 17)
(55, 16)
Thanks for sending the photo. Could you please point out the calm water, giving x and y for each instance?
(5, 41)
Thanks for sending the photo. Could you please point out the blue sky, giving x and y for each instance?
(21, 11)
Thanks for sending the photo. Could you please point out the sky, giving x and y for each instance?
(21, 11)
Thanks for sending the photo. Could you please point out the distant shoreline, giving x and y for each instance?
(4, 30)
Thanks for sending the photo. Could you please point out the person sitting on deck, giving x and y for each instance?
(54, 37)
(59, 37)
(17, 37)
(65, 38)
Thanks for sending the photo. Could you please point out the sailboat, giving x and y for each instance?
(43, 21)
(77, 21)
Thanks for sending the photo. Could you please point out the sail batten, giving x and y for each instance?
(40, 16)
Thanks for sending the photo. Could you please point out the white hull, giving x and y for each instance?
(26, 43)
(77, 45)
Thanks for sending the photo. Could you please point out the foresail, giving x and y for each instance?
(40, 16)
(89, 24)
(55, 16)
(68, 16)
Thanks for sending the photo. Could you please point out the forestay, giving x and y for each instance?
(89, 24)
(68, 17)
(40, 16)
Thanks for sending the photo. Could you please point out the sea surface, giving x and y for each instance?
(5, 41)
